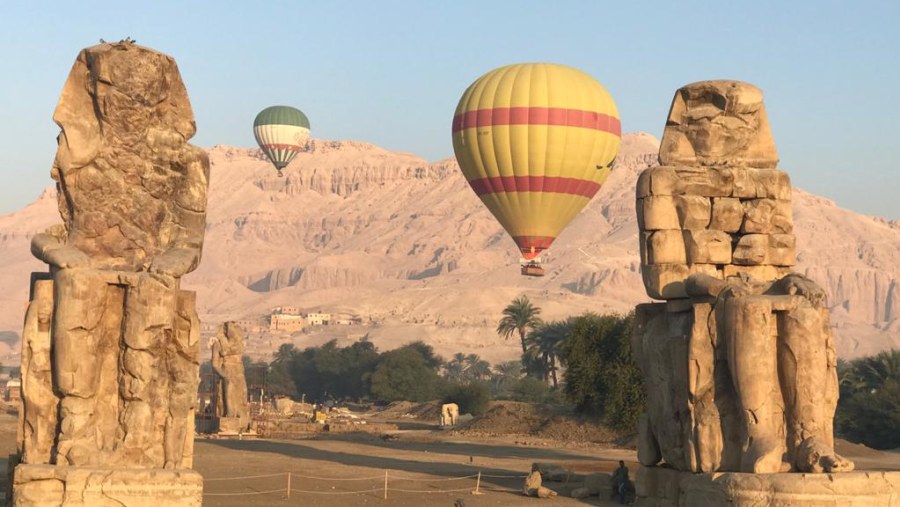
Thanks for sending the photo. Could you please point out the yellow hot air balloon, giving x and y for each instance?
(535, 142)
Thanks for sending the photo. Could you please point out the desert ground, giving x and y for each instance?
(435, 467)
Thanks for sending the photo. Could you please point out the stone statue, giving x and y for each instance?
(124, 359)
(227, 350)
(449, 414)
(739, 362)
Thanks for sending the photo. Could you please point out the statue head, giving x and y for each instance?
(718, 123)
(121, 91)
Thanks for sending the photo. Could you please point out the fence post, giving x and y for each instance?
(289, 485)
(478, 483)
(385, 484)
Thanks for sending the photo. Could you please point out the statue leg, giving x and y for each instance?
(183, 361)
(85, 336)
(150, 310)
(37, 423)
(752, 362)
(807, 368)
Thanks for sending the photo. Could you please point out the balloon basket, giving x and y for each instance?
(532, 269)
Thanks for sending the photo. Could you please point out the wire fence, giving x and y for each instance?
(387, 483)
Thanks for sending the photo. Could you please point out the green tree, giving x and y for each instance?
(869, 407)
(519, 317)
(472, 397)
(404, 374)
(506, 373)
(477, 369)
(601, 375)
(433, 360)
(543, 347)
(455, 369)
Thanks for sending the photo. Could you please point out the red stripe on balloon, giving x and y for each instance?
(556, 184)
(554, 116)
(532, 246)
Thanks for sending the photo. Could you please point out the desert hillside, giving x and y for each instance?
(406, 246)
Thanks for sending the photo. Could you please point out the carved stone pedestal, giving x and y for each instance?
(666, 487)
(232, 425)
(36, 485)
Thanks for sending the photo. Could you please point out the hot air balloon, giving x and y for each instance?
(281, 132)
(535, 142)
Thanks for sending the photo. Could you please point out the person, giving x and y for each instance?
(620, 481)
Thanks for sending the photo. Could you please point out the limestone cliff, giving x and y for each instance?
(405, 242)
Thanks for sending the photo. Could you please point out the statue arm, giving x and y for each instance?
(50, 246)
(189, 208)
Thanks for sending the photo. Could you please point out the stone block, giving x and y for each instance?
(727, 214)
(37, 485)
(767, 216)
(580, 493)
(642, 189)
(597, 483)
(655, 486)
(704, 181)
(664, 181)
(658, 213)
(693, 211)
(666, 281)
(752, 183)
(760, 273)
(782, 249)
(665, 247)
(707, 247)
(752, 250)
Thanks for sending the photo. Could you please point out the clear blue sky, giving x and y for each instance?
(391, 72)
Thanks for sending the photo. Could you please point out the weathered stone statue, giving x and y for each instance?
(739, 362)
(227, 350)
(112, 342)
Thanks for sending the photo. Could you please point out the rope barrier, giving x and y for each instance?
(295, 474)
(417, 479)
(430, 491)
(385, 489)
(244, 477)
(247, 493)
(377, 490)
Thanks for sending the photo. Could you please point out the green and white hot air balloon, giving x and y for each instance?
(281, 132)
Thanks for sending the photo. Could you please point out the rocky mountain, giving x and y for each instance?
(405, 245)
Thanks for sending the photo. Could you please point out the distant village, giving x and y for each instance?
(290, 319)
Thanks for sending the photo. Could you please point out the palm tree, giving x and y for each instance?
(519, 317)
(874, 371)
(285, 354)
(506, 373)
(544, 345)
(456, 367)
(477, 368)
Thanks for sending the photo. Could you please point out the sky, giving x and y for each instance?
(391, 72)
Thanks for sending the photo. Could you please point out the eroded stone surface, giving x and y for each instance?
(661, 487)
(739, 365)
(39, 485)
(112, 343)
(227, 350)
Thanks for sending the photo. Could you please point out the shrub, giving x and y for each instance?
(403, 374)
(472, 398)
(601, 375)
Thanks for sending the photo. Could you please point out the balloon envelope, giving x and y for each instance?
(535, 142)
(281, 132)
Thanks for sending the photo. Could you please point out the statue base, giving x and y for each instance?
(38, 485)
(233, 425)
(665, 487)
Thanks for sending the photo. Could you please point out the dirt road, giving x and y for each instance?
(330, 467)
